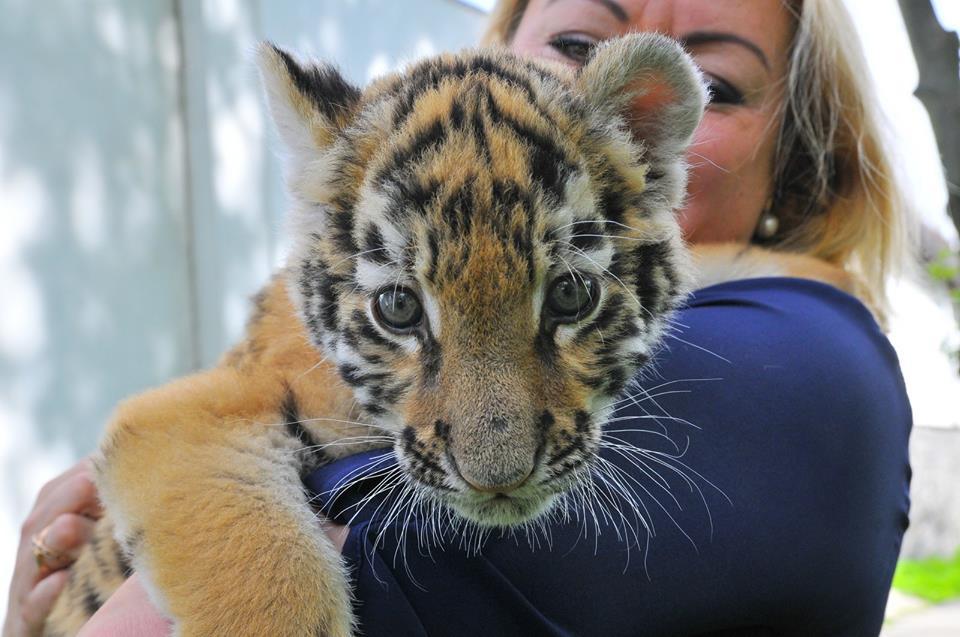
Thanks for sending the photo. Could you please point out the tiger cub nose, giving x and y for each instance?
(496, 488)
(489, 479)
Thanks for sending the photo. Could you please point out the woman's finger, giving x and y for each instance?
(84, 467)
(39, 601)
(63, 540)
(74, 494)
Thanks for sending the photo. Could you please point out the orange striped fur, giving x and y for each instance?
(483, 256)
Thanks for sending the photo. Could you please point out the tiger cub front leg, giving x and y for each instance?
(204, 486)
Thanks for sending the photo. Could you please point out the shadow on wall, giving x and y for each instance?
(93, 265)
(140, 199)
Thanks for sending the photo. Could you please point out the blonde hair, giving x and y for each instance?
(834, 189)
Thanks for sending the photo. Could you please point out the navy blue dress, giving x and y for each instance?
(775, 482)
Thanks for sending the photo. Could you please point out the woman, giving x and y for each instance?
(791, 521)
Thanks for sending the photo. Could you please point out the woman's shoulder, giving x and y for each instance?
(796, 351)
(799, 322)
(791, 297)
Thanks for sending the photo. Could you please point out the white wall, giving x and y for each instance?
(93, 239)
(140, 201)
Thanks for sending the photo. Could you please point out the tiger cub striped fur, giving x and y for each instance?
(484, 253)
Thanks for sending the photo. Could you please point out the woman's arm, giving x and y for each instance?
(128, 613)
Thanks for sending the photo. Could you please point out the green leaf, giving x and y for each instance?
(936, 580)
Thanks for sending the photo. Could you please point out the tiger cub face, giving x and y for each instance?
(486, 247)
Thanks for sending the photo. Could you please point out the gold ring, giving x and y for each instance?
(43, 554)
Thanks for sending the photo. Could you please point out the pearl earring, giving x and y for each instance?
(768, 225)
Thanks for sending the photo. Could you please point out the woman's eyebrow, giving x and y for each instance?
(710, 37)
(611, 6)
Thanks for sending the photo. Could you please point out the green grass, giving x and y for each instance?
(935, 580)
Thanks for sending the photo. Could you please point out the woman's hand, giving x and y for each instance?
(60, 523)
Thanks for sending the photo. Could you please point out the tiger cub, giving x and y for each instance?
(484, 253)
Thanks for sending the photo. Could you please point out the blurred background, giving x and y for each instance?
(141, 205)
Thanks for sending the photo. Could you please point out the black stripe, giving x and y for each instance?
(429, 76)
(322, 85)
(374, 247)
(508, 194)
(441, 430)
(389, 394)
(568, 467)
(126, 568)
(612, 198)
(613, 341)
(421, 460)
(350, 337)
(290, 415)
(425, 139)
(575, 445)
(365, 329)
(523, 245)
(646, 258)
(372, 359)
(586, 235)
(581, 420)
(412, 193)
(434, 256)
(95, 548)
(593, 382)
(456, 210)
(479, 130)
(546, 421)
(639, 360)
(544, 344)
(91, 599)
(352, 376)
(611, 311)
(259, 302)
(314, 455)
(549, 164)
(317, 281)
(457, 117)
(616, 380)
(430, 360)
(342, 224)
(373, 409)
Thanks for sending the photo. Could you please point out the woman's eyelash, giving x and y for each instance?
(576, 48)
(723, 92)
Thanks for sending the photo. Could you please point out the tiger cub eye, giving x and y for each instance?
(398, 309)
(570, 298)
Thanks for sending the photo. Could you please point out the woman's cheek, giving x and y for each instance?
(727, 185)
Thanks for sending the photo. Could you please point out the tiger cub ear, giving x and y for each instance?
(309, 102)
(648, 80)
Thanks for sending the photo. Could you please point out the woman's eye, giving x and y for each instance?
(398, 309)
(722, 92)
(570, 298)
(572, 47)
